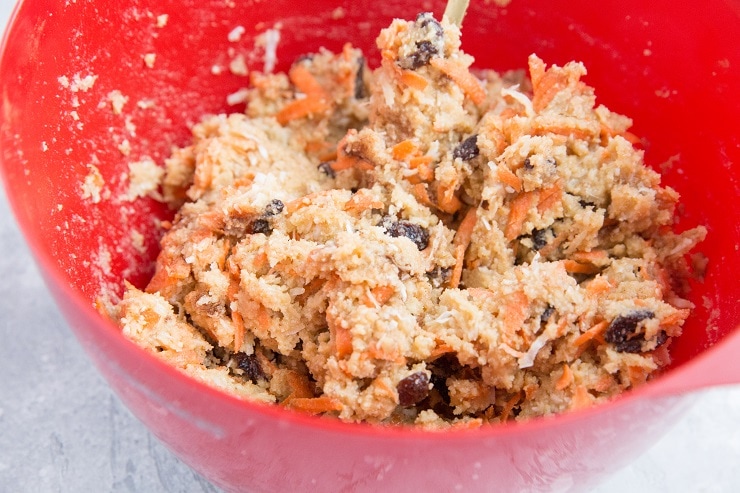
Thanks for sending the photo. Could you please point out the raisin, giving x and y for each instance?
(528, 164)
(468, 149)
(274, 208)
(413, 389)
(412, 231)
(326, 168)
(539, 239)
(661, 338)
(250, 365)
(425, 50)
(621, 332)
(547, 313)
(439, 276)
(425, 19)
(360, 91)
(260, 225)
(585, 203)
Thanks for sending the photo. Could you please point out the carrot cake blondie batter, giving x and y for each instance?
(416, 243)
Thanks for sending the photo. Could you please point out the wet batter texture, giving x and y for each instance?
(416, 244)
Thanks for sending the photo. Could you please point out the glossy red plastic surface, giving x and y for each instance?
(673, 67)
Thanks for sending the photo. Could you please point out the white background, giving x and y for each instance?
(62, 430)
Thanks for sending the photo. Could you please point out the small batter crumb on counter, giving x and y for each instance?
(415, 244)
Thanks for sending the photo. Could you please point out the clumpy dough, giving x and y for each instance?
(416, 244)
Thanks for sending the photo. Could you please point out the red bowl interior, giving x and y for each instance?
(675, 69)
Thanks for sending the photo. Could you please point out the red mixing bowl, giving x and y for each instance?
(673, 67)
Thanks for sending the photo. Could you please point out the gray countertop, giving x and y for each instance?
(63, 430)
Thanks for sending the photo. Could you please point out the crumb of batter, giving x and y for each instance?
(93, 186)
(416, 244)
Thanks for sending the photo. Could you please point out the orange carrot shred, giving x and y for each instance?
(417, 161)
(519, 209)
(462, 77)
(422, 195)
(505, 175)
(462, 240)
(675, 317)
(595, 330)
(515, 311)
(314, 405)
(439, 350)
(565, 379)
(596, 255)
(301, 108)
(447, 201)
(239, 330)
(581, 398)
(549, 197)
(509, 406)
(574, 267)
(362, 201)
(341, 337)
(381, 295)
(403, 149)
(304, 80)
(414, 80)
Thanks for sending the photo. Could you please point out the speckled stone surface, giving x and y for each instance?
(62, 429)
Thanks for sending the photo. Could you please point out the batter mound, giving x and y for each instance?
(416, 244)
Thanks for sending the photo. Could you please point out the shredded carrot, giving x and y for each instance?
(561, 327)
(590, 334)
(414, 80)
(263, 318)
(509, 406)
(447, 201)
(239, 330)
(515, 311)
(403, 149)
(505, 175)
(598, 285)
(341, 337)
(260, 260)
(314, 405)
(439, 350)
(674, 318)
(462, 239)
(574, 267)
(422, 195)
(545, 83)
(381, 295)
(316, 146)
(361, 201)
(299, 385)
(424, 173)
(565, 379)
(604, 383)
(593, 256)
(536, 70)
(662, 356)
(417, 161)
(637, 375)
(632, 138)
(581, 398)
(301, 108)
(462, 77)
(518, 210)
(549, 197)
(304, 80)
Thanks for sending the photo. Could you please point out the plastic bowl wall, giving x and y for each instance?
(674, 68)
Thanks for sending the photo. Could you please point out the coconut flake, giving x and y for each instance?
(527, 359)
